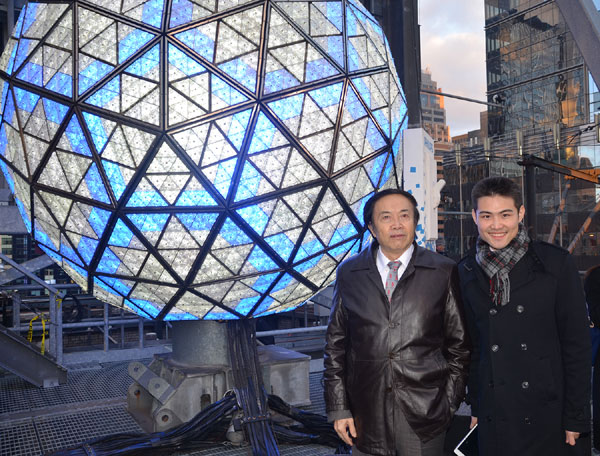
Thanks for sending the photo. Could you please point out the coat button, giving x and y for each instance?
(493, 311)
(523, 346)
(525, 385)
(520, 308)
(495, 348)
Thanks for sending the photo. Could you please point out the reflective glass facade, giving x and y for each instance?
(534, 66)
(549, 102)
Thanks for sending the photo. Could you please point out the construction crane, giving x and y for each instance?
(589, 175)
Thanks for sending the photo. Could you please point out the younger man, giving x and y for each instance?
(529, 384)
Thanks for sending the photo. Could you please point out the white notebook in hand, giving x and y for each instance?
(468, 445)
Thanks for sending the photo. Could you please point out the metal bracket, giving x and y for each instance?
(156, 386)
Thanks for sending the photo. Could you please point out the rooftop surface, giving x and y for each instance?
(92, 404)
(37, 421)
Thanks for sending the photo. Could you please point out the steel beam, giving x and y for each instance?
(583, 20)
(584, 174)
(106, 327)
(51, 328)
(32, 266)
(16, 300)
(24, 359)
(32, 276)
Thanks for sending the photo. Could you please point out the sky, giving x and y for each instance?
(453, 47)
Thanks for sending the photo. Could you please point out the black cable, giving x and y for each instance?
(206, 428)
(314, 426)
(210, 425)
(74, 312)
(248, 381)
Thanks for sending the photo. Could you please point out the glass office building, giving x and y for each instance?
(534, 66)
(549, 104)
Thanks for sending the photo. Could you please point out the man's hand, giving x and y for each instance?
(345, 428)
(571, 437)
(473, 422)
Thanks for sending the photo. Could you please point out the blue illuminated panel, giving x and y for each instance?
(143, 162)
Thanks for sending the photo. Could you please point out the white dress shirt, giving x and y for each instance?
(382, 263)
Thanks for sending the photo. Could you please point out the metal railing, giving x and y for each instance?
(56, 325)
(55, 314)
(283, 332)
(104, 324)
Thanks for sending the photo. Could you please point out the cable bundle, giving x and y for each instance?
(210, 425)
(313, 427)
(206, 428)
(250, 392)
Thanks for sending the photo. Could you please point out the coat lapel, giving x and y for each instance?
(522, 274)
(418, 260)
(473, 272)
(365, 264)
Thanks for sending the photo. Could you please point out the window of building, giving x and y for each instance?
(594, 96)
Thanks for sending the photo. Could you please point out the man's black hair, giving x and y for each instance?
(496, 186)
(370, 205)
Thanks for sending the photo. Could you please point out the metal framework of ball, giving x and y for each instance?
(198, 159)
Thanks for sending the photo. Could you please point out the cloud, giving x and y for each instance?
(448, 17)
(453, 47)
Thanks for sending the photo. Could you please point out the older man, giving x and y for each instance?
(396, 355)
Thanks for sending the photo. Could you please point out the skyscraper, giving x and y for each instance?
(434, 123)
(537, 74)
(533, 67)
(434, 113)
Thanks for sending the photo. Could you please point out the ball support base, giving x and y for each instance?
(174, 387)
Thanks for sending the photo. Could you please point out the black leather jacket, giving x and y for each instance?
(412, 353)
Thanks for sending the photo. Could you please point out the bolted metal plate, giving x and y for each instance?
(156, 386)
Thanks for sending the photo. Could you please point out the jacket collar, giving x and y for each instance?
(366, 259)
(472, 271)
(522, 273)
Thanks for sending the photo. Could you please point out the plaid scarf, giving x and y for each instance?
(498, 263)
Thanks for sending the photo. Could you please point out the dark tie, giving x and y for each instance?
(392, 278)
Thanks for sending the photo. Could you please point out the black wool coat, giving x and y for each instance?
(410, 353)
(530, 368)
